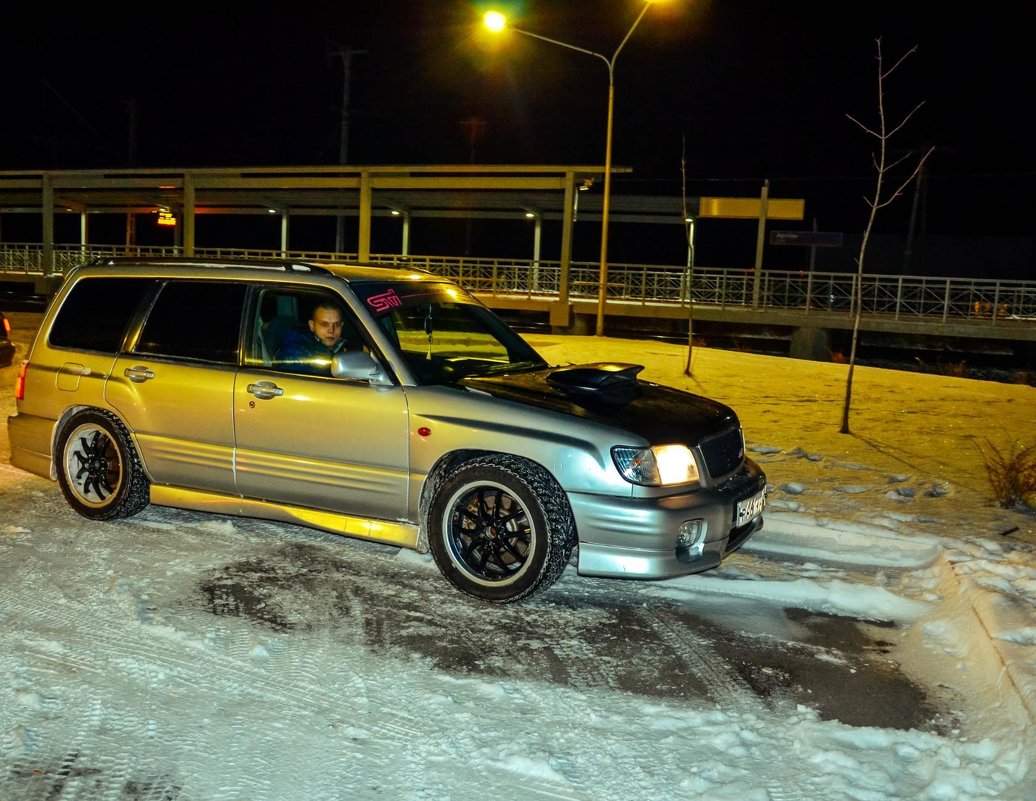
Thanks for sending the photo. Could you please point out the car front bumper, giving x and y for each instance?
(622, 537)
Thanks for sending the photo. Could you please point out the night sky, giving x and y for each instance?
(746, 90)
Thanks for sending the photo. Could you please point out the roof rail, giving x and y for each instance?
(223, 262)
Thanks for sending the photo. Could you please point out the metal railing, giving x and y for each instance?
(894, 296)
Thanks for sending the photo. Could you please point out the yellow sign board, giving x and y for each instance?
(750, 208)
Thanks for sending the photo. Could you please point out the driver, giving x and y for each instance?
(310, 351)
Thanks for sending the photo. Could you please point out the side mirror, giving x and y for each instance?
(359, 365)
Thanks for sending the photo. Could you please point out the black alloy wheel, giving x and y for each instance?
(500, 528)
(98, 469)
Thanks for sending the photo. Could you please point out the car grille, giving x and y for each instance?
(723, 453)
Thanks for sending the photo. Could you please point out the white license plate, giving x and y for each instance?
(749, 508)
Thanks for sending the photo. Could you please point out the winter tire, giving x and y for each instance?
(500, 528)
(98, 468)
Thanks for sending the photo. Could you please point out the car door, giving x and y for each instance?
(313, 440)
(174, 386)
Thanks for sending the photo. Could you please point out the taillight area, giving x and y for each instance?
(19, 381)
(7, 326)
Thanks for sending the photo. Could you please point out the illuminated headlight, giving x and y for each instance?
(659, 466)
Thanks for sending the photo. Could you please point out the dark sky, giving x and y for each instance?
(747, 89)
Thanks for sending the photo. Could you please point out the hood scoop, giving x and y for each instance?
(603, 382)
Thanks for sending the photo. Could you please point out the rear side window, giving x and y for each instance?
(194, 320)
(96, 312)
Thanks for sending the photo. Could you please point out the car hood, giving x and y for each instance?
(610, 393)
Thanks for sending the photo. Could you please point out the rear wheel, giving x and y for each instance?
(98, 468)
(500, 528)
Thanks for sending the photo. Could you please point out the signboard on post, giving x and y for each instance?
(811, 239)
(751, 208)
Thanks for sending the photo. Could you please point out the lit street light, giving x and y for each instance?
(496, 22)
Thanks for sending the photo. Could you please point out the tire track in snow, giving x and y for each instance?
(153, 668)
(721, 681)
(170, 664)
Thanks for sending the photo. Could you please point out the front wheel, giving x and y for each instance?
(500, 528)
(98, 469)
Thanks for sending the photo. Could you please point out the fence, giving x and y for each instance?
(894, 296)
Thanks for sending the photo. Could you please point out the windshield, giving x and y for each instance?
(444, 333)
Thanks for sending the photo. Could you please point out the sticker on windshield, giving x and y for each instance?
(384, 301)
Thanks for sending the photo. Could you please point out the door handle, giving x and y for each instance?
(138, 374)
(265, 390)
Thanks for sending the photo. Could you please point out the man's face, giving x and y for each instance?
(326, 324)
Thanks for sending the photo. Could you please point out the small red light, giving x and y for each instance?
(19, 381)
(7, 326)
(424, 431)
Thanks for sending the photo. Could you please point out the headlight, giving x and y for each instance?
(659, 466)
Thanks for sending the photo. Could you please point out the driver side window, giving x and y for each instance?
(299, 329)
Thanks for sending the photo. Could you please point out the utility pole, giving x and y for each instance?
(131, 125)
(476, 127)
(131, 161)
(919, 210)
(346, 54)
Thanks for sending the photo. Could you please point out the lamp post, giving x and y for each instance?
(496, 21)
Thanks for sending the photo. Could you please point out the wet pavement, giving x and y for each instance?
(583, 634)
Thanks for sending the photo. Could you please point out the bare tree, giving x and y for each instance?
(883, 195)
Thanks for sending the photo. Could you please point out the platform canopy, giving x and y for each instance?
(483, 191)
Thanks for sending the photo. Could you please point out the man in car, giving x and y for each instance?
(310, 351)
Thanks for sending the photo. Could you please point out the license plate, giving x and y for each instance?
(749, 508)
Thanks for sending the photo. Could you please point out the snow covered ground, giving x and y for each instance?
(182, 656)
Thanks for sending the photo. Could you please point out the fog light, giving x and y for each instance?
(691, 537)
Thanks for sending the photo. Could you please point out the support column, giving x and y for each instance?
(560, 312)
(760, 240)
(813, 344)
(48, 224)
(188, 214)
(537, 235)
(364, 246)
(84, 234)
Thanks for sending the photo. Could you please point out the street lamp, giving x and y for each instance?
(496, 22)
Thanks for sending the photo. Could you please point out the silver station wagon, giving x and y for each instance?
(385, 404)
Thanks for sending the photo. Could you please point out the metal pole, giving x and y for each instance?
(343, 144)
(602, 277)
(602, 289)
(908, 252)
